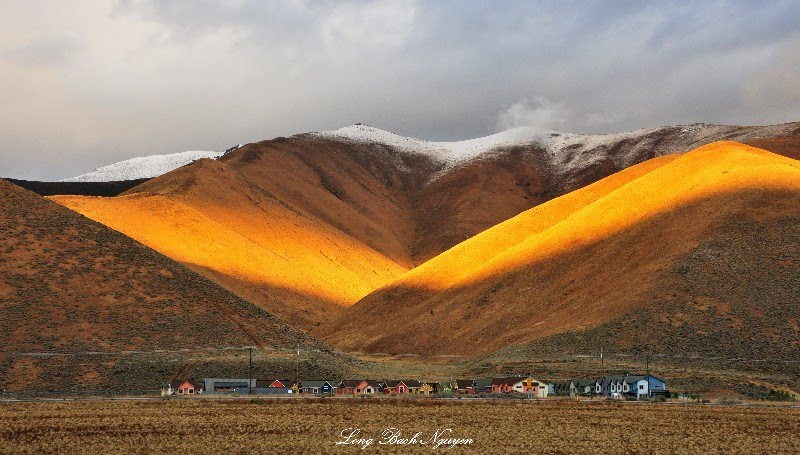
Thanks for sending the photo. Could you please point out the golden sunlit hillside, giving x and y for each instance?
(224, 227)
(589, 257)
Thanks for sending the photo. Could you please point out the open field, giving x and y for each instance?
(314, 426)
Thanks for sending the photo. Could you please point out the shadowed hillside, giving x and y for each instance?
(71, 286)
(106, 189)
(788, 146)
(600, 254)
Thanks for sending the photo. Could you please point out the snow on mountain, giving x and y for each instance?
(565, 150)
(451, 153)
(143, 167)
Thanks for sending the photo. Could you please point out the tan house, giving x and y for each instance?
(427, 389)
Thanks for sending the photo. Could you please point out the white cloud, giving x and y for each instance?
(370, 25)
(537, 111)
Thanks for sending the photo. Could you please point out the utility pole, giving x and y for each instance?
(297, 370)
(250, 370)
(648, 373)
(603, 379)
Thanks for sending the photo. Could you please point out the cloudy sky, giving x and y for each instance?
(87, 83)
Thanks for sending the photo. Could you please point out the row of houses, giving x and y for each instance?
(615, 386)
(643, 386)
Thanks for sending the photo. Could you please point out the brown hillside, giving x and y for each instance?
(71, 285)
(788, 146)
(307, 225)
(585, 259)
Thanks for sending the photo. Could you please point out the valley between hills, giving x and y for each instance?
(383, 253)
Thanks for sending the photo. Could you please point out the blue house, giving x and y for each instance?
(641, 386)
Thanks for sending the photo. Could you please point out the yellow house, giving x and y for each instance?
(426, 389)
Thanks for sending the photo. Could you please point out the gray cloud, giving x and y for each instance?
(82, 86)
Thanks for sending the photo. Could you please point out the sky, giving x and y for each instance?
(88, 83)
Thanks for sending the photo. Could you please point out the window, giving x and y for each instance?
(191, 391)
(641, 386)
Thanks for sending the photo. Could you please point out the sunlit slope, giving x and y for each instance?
(211, 218)
(577, 261)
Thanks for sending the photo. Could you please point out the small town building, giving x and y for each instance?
(413, 385)
(428, 388)
(483, 385)
(395, 387)
(524, 385)
(227, 385)
(186, 388)
(318, 387)
(372, 387)
(505, 385)
(465, 386)
(277, 383)
(182, 387)
(645, 386)
(351, 387)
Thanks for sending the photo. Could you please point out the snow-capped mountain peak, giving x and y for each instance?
(143, 167)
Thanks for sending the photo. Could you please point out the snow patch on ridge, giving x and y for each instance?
(450, 153)
(143, 167)
(565, 151)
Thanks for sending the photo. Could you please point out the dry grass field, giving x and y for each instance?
(313, 426)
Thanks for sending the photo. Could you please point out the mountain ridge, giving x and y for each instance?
(372, 200)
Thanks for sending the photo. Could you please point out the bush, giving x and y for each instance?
(779, 395)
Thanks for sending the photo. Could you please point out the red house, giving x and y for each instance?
(503, 385)
(352, 387)
(396, 388)
(185, 387)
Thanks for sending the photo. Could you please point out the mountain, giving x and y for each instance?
(70, 286)
(307, 225)
(701, 249)
(144, 167)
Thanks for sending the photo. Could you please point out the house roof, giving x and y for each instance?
(483, 382)
(464, 383)
(317, 384)
(585, 382)
(351, 383)
(393, 384)
(412, 383)
(267, 383)
(510, 380)
(374, 384)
